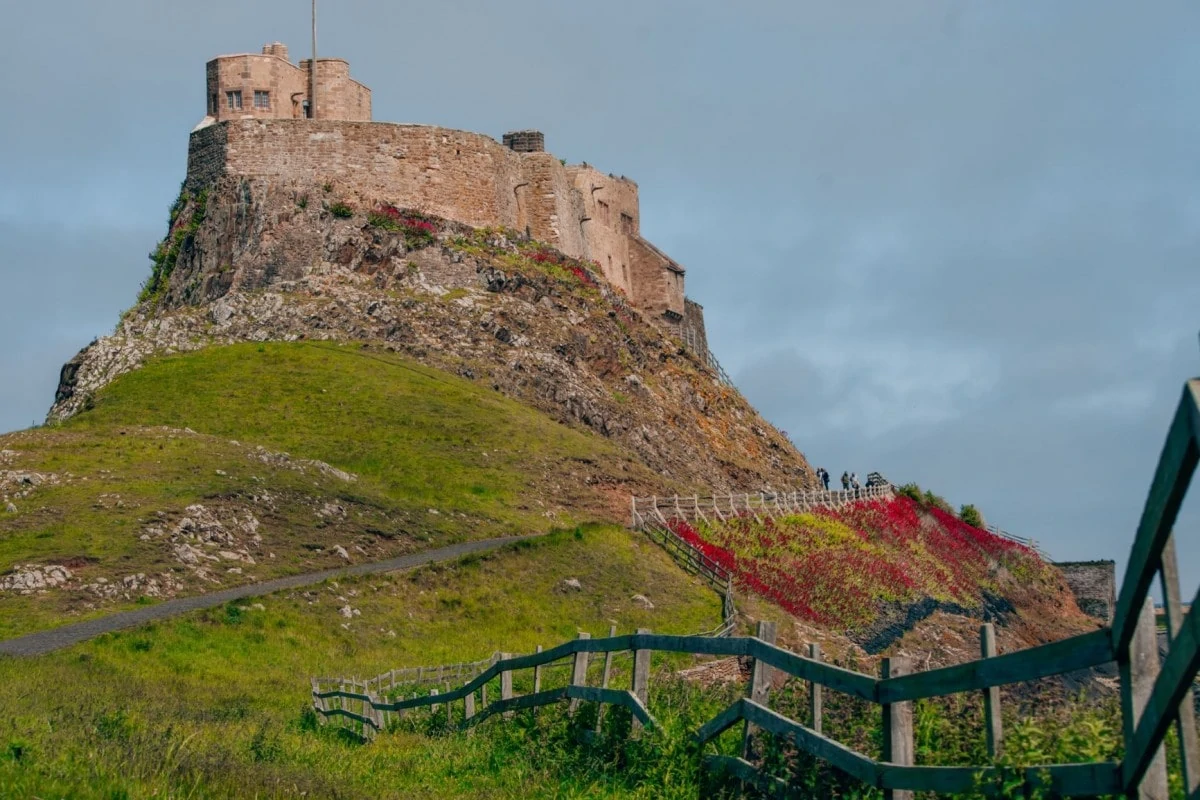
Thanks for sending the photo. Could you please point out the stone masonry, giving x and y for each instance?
(1094, 584)
(257, 126)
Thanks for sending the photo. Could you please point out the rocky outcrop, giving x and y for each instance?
(270, 262)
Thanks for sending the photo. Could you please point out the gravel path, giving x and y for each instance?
(35, 644)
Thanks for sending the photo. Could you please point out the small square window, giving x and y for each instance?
(262, 100)
(234, 100)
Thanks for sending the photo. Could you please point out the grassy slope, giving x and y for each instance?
(417, 438)
(210, 704)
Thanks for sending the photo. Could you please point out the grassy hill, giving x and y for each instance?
(212, 704)
(275, 455)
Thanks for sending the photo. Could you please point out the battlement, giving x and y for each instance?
(260, 124)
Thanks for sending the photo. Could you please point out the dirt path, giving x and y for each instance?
(35, 644)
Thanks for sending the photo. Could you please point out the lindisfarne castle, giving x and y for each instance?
(262, 122)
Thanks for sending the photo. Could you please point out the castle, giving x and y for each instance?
(268, 117)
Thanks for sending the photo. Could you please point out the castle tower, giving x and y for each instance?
(268, 85)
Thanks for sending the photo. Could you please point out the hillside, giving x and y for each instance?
(873, 570)
(243, 462)
(252, 260)
(212, 704)
(309, 380)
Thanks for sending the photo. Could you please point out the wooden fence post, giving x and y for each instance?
(608, 659)
(760, 682)
(1185, 724)
(579, 673)
(815, 693)
(469, 706)
(1139, 668)
(641, 677)
(506, 689)
(897, 726)
(537, 675)
(992, 721)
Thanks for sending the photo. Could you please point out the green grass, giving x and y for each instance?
(438, 459)
(211, 704)
(416, 433)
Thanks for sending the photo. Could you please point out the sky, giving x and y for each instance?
(953, 241)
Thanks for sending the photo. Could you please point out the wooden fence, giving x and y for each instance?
(652, 512)
(1154, 696)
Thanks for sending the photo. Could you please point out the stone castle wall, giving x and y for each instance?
(459, 175)
(1094, 584)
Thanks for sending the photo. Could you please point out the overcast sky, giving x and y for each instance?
(952, 241)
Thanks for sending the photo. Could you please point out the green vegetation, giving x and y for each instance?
(212, 704)
(166, 255)
(341, 210)
(438, 459)
(970, 515)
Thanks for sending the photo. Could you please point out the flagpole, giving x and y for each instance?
(312, 91)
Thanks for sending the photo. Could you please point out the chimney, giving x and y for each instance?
(525, 141)
(276, 49)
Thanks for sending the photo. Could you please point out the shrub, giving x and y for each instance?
(420, 230)
(341, 210)
(970, 515)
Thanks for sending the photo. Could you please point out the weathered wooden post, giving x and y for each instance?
(506, 686)
(579, 673)
(469, 706)
(608, 659)
(816, 700)
(537, 675)
(641, 677)
(897, 726)
(992, 722)
(1185, 724)
(1139, 668)
(760, 682)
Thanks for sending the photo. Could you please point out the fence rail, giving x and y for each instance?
(648, 512)
(1154, 695)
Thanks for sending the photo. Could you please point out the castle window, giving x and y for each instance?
(214, 104)
(603, 208)
(262, 100)
(626, 224)
(234, 100)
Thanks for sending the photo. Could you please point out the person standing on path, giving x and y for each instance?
(823, 475)
(845, 481)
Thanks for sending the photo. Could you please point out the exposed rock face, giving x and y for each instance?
(269, 263)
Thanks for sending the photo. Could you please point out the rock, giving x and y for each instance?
(642, 601)
(10, 508)
(346, 611)
(341, 551)
(222, 311)
(572, 585)
(33, 577)
(259, 607)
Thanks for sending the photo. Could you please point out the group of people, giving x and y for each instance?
(849, 480)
